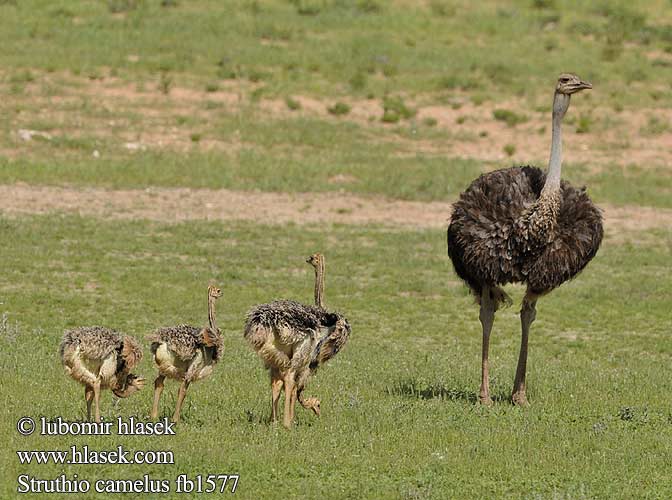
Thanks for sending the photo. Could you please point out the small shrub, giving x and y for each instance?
(210, 105)
(339, 109)
(226, 68)
(430, 121)
(212, 87)
(369, 6)
(255, 76)
(390, 70)
(442, 8)
(543, 4)
(498, 73)
(509, 149)
(24, 76)
(195, 137)
(292, 103)
(394, 109)
(169, 3)
(253, 6)
(358, 81)
(122, 6)
(461, 119)
(509, 117)
(256, 94)
(165, 83)
(308, 7)
(451, 82)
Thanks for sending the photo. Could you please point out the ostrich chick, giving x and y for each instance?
(293, 340)
(101, 358)
(186, 353)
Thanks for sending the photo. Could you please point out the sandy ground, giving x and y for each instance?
(181, 204)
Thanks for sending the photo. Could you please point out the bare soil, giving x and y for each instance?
(181, 204)
(614, 137)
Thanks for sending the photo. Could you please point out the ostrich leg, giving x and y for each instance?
(96, 399)
(276, 389)
(180, 399)
(158, 389)
(290, 398)
(527, 315)
(88, 396)
(487, 317)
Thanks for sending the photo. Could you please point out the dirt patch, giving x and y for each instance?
(181, 204)
(115, 110)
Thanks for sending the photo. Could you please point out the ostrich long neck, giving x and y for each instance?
(211, 312)
(552, 185)
(319, 284)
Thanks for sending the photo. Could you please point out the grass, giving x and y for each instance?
(422, 178)
(402, 424)
(317, 47)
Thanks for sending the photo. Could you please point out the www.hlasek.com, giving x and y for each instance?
(83, 455)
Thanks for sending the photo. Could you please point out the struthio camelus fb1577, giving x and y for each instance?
(186, 353)
(523, 225)
(101, 358)
(292, 340)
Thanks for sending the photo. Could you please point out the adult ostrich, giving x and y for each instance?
(523, 225)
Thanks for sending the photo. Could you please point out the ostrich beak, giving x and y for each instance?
(576, 87)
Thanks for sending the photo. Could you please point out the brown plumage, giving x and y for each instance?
(101, 358)
(492, 242)
(523, 225)
(186, 353)
(293, 340)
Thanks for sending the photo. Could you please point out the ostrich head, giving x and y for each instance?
(214, 292)
(315, 260)
(335, 334)
(130, 384)
(131, 355)
(568, 84)
(313, 404)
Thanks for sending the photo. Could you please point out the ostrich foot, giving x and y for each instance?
(519, 399)
(485, 400)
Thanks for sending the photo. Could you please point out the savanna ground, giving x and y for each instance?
(150, 147)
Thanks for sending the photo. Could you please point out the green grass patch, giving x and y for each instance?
(399, 414)
(326, 47)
